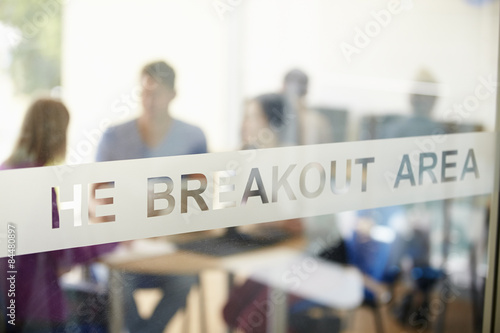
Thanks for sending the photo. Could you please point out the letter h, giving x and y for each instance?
(75, 205)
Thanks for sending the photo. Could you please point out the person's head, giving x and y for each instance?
(295, 83)
(42, 140)
(263, 117)
(423, 103)
(158, 87)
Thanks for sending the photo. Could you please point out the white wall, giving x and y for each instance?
(106, 43)
(457, 42)
(220, 62)
(12, 106)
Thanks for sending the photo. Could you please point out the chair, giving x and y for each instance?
(375, 253)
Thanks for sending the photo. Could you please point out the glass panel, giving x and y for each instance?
(144, 79)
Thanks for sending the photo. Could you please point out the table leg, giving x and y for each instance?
(116, 316)
(277, 320)
(230, 285)
(203, 316)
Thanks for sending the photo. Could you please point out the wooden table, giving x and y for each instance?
(267, 265)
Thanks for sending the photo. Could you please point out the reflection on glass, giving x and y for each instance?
(258, 75)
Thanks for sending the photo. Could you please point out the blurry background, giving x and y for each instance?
(362, 57)
(90, 52)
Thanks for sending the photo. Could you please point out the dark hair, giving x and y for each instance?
(273, 106)
(299, 78)
(43, 134)
(161, 72)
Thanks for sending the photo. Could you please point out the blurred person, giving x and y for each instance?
(413, 248)
(420, 121)
(42, 140)
(155, 133)
(40, 302)
(262, 122)
(302, 126)
(262, 119)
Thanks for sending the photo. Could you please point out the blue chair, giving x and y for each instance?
(376, 255)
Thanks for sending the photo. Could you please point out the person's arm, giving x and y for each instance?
(200, 143)
(79, 255)
(105, 147)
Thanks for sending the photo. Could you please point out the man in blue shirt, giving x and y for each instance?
(155, 133)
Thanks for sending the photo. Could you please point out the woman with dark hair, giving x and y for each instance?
(40, 302)
(262, 120)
